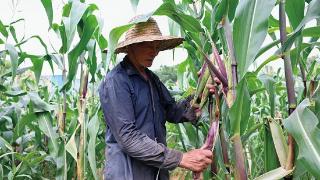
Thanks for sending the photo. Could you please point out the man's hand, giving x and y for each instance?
(196, 160)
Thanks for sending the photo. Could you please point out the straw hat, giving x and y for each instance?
(147, 31)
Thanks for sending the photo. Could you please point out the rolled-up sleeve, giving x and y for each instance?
(116, 102)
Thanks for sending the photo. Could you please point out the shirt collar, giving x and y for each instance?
(129, 67)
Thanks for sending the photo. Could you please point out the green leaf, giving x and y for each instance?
(61, 163)
(57, 59)
(311, 32)
(312, 13)
(14, 59)
(3, 88)
(89, 28)
(62, 31)
(92, 60)
(15, 93)
(267, 47)
(134, 4)
(187, 22)
(279, 141)
(316, 100)
(1, 172)
(3, 30)
(21, 125)
(302, 124)
(47, 4)
(45, 125)
(239, 112)
(39, 104)
(5, 144)
(36, 37)
(273, 22)
(221, 10)
(173, 28)
(71, 22)
(37, 67)
(295, 12)
(232, 6)
(102, 41)
(1, 41)
(71, 146)
(93, 128)
(269, 85)
(13, 33)
(275, 174)
(270, 158)
(249, 30)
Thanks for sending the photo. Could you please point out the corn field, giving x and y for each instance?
(262, 122)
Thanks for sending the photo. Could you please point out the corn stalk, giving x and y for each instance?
(82, 121)
(289, 81)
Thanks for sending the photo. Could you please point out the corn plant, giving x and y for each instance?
(53, 132)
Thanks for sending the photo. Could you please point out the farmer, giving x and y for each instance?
(136, 106)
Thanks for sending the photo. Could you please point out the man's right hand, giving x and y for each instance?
(196, 160)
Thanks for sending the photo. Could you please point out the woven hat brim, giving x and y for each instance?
(162, 42)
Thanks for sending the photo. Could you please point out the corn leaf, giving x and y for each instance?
(14, 59)
(90, 26)
(70, 23)
(71, 146)
(46, 127)
(5, 144)
(275, 174)
(312, 13)
(295, 12)
(47, 4)
(240, 110)
(302, 124)
(279, 141)
(311, 32)
(249, 30)
(93, 128)
(3, 30)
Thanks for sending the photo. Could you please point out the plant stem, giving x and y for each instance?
(82, 121)
(289, 81)
(240, 169)
(311, 88)
(304, 79)
(64, 105)
(224, 148)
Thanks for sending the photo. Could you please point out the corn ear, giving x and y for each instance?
(201, 85)
(205, 93)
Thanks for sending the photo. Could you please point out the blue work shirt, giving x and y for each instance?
(135, 112)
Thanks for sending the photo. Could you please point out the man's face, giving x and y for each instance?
(144, 53)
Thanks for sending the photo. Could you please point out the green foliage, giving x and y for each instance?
(47, 4)
(249, 31)
(167, 73)
(302, 124)
(240, 110)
